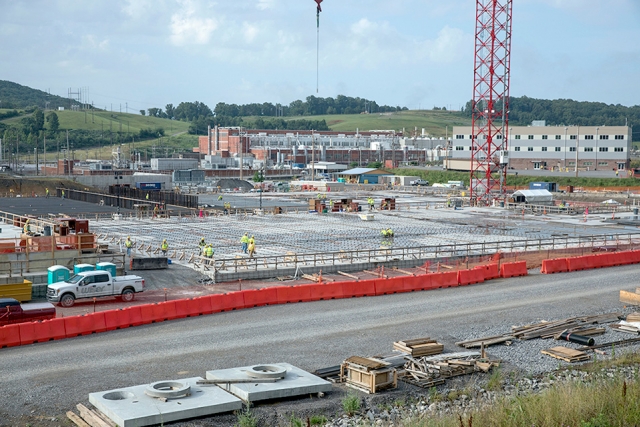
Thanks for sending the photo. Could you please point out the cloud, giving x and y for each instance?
(448, 47)
(265, 4)
(189, 27)
(91, 42)
(250, 32)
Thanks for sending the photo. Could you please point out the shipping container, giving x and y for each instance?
(151, 186)
(549, 186)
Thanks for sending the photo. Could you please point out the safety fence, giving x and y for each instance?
(574, 209)
(586, 262)
(109, 320)
(575, 244)
(130, 198)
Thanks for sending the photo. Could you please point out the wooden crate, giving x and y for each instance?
(368, 375)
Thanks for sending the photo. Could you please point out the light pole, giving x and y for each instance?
(577, 147)
(565, 150)
(595, 166)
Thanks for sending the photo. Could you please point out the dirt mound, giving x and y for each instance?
(30, 186)
(230, 184)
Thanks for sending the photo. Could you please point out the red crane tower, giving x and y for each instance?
(490, 116)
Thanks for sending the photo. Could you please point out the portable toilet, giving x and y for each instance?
(107, 266)
(57, 273)
(78, 268)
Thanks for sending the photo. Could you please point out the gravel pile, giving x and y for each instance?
(231, 184)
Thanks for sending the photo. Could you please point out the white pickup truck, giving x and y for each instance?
(419, 182)
(89, 284)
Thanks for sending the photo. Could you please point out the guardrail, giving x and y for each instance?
(295, 260)
(570, 210)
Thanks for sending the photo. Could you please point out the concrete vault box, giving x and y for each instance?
(162, 402)
(288, 381)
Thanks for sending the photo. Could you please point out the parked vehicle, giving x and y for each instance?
(98, 283)
(419, 182)
(11, 311)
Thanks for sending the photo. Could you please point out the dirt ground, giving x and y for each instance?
(11, 186)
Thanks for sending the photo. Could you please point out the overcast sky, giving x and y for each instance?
(413, 53)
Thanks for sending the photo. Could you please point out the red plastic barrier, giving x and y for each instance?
(444, 280)
(201, 305)
(27, 332)
(635, 257)
(490, 271)
(468, 277)
(363, 288)
(393, 285)
(116, 319)
(77, 325)
(261, 297)
(610, 260)
(289, 294)
(513, 269)
(183, 309)
(148, 313)
(97, 322)
(326, 291)
(165, 311)
(135, 315)
(227, 302)
(623, 258)
(52, 329)
(550, 266)
(9, 336)
(579, 263)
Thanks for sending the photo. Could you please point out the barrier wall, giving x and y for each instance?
(109, 320)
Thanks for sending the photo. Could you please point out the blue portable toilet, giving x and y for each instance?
(107, 266)
(57, 273)
(78, 268)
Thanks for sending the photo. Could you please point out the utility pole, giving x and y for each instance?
(313, 156)
(577, 148)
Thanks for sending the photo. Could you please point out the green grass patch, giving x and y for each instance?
(351, 404)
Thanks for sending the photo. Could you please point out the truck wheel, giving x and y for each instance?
(67, 300)
(127, 295)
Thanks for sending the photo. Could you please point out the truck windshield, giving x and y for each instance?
(75, 279)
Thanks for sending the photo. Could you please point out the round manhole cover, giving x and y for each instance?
(266, 371)
(168, 389)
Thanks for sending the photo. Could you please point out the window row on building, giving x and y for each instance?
(546, 137)
(559, 149)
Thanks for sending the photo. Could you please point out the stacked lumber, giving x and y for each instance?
(419, 347)
(630, 297)
(633, 317)
(368, 374)
(434, 370)
(486, 341)
(577, 325)
(567, 354)
(89, 418)
(627, 327)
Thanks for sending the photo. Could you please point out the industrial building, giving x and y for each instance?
(556, 147)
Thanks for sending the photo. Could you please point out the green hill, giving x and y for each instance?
(15, 96)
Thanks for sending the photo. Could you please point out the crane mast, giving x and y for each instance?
(490, 105)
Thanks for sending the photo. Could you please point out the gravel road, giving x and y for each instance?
(43, 381)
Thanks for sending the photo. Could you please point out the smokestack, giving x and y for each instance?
(217, 139)
(209, 140)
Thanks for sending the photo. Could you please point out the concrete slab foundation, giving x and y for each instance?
(163, 402)
(294, 382)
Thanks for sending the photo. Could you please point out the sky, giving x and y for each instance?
(140, 54)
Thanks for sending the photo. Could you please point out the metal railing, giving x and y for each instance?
(295, 260)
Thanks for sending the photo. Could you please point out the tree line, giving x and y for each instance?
(567, 112)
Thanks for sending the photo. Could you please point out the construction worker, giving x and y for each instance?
(147, 196)
(383, 232)
(371, 202)
(220, 197)
(27, 227)
(155, 211)
(244, 240)
(389, 232)
(252, 247)
(208, 251)
(202, 245)
(46, 193)
(164, 247)
(128, 244)
(63, 194)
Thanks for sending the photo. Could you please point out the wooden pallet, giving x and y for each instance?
(567, 354)
(419, 347)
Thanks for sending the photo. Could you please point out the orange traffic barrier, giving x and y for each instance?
(116, 319)
(393, 285)
(444, 280)
(183, 309)
(135, 315)
(363, 288)
(227, 302)
(201, 305)
(327, 291)
(289, 294)
(164, 311)
(491, 271)
(27, 332)
(514, 269)
(148, 313)
(9, 336)
(261, 297)
(550, 266)
(417, 283)
(96, 320)
(468, 277)
(635, 257)
(579, 263)
(77, 325)
(52, 329)
(623, 258)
